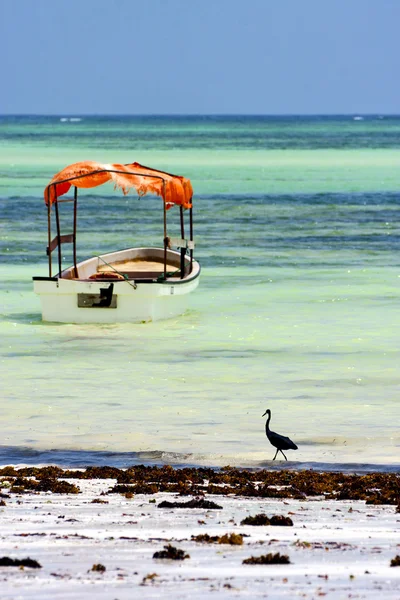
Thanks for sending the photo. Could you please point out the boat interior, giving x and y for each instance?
(138, 264)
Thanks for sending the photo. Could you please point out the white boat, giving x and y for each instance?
(132, 285)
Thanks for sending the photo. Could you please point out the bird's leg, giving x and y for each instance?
(282, 453)
(275, 454)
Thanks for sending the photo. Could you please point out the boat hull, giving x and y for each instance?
(73, 300)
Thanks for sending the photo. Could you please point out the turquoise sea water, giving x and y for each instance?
(297, 228)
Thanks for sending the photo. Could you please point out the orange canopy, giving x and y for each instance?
(174, 189)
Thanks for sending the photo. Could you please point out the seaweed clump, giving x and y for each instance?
(268, 559)
(233, 539)
(395, 562)
(282, 521)
(150, 577)
(47, 484)
(171, 553)
(262, 519)
(57, 487)
(194, 503)
(98, 568)
(6, 561)
(143, 488)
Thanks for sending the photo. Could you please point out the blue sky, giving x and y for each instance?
(200, 56)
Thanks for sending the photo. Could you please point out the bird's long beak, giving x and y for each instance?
(264, 414)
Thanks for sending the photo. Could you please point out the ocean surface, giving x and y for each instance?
(297, 229)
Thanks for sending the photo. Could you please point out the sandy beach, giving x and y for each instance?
(99, 541)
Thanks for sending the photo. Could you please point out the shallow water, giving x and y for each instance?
(297, 231)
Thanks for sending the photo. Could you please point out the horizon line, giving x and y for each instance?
(106, 114)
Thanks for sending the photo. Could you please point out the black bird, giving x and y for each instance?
(280, 442)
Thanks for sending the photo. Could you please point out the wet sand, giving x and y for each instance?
(335, 548)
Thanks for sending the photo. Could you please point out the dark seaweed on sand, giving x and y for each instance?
(98, 568)
(262, 519)
(171, 553)
(195, 503)
(395, 562)
(47, 484)
(144, 488)
(233, 539)
(374, 488)
(268, 559)
(6, 561)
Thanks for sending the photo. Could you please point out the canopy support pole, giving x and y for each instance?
(49, 229)
(58, 237)
(165, 232)
(191, 234)
(74, 233)
(183, 250)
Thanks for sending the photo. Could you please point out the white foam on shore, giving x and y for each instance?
(335, 548)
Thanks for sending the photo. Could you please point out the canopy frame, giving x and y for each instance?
(60, 239)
